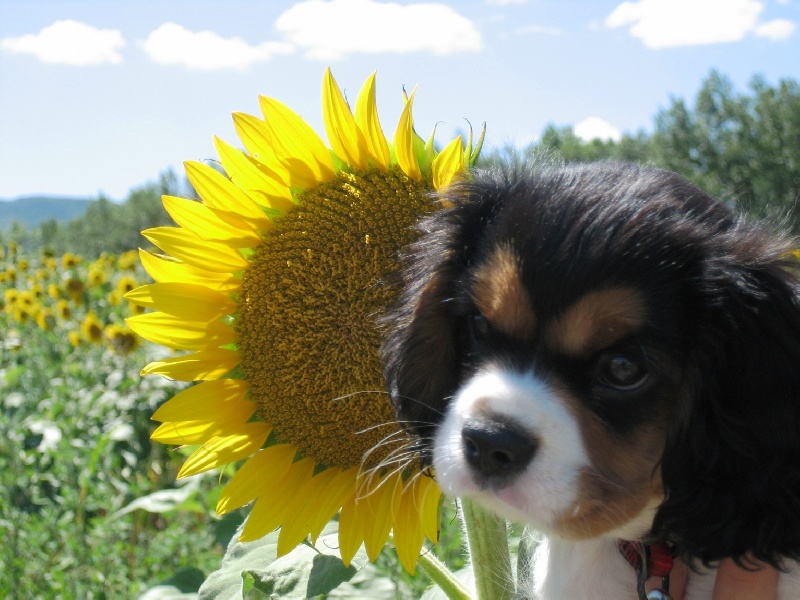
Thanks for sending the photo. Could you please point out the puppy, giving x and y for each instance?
(608, 354)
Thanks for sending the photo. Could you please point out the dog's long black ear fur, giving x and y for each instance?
(424, 344)
(732, 466)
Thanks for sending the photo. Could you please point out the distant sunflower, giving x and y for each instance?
(273, 284)
(92, 328)
(121, 339)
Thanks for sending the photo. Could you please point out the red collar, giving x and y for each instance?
(648, 560)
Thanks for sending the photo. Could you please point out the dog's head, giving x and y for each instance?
(601, 349)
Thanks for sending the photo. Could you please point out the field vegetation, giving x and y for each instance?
(89, 506)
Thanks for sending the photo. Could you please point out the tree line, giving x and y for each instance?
(740, 147)
(106, 226)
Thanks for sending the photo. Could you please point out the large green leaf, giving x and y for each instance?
(164, 500)
(252, 570)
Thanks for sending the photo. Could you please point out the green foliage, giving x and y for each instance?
(89, 508)
(104, 226)
(742, 148)
(110, 227)
(74, 452)
(252, 570)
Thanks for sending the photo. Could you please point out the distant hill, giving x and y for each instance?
(32, 210)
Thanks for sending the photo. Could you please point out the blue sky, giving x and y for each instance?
(101, 96)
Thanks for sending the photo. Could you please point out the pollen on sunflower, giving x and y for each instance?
(272, 285)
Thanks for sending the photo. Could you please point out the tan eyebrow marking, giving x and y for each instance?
(596, 321)
(502, 298)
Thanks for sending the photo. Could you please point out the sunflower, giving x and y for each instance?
(121, 339)
(45, 319)
(63, 310)
(92, 328)
(69, 260)
(273, 284)
(75, 290)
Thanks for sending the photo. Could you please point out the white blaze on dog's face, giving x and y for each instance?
(522, 432)
(537, 447)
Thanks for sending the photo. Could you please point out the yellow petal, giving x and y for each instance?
(429, 500)
(221, 193)
(202, 221)
(404, 143)
(322, 497)
(173, 332)
(382, 503)
(297, 146)
(351, 532)
(260, 474)
(297, 524)
(206, 364)
(448, 166)
(220, 451)
(261, 182)
(269, 512)
(208, 401)
(408, 534)
(188, 301)
(346, 139)
(184, 245)
(182, 433)
(367, 120)
(257, 140)
(336, 494)
(166, 269)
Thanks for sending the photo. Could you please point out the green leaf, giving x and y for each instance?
(252, 570)
(228, 582)
(303, 573)
(226, 526)
(183, 585)
(163, 500)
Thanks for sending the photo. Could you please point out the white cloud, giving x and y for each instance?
(70, 43)
(673, 23)
(777, 29)
(173, 44)
(596, 128)
(330, 30)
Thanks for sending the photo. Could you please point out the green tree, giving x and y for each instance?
(143, 209)
(742, 148)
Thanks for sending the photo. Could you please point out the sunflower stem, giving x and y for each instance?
(443, 577)
(487, 539)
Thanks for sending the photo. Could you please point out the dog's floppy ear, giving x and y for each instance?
(421, 354)
(732, 467)
(422, 351)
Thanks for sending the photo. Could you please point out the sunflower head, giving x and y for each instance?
(272, 285)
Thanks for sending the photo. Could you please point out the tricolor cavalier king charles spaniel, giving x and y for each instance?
(606, 353)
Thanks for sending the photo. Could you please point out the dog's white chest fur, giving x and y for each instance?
(586, 569)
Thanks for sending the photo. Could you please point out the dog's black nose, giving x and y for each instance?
(495, 448)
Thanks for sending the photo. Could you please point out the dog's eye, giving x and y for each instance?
(623, 372)
(478, 327)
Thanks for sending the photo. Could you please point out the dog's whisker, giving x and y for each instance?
(358, 393)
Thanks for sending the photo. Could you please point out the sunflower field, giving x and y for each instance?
(278, 469)
(74, 439)
(89, 506)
